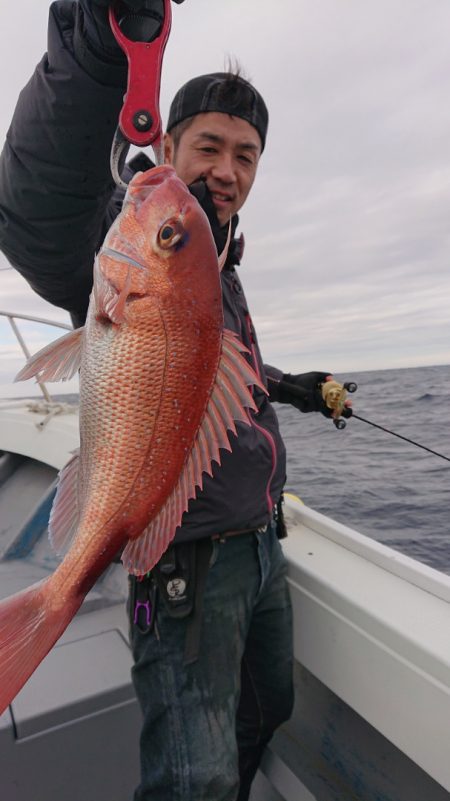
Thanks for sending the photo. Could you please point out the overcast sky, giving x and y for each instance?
(348, 224)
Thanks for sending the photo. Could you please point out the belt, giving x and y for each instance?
(225, 535)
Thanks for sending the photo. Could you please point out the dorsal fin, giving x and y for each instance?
(229, 400)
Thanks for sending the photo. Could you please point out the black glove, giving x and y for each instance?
(220, 233)
(303, 392)
(140, 20)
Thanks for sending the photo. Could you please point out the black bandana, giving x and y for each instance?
(223, 92)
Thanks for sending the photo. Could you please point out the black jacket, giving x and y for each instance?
(57, 201)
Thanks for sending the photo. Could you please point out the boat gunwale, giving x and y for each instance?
(400, 565)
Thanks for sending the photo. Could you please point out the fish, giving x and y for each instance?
(162, 385)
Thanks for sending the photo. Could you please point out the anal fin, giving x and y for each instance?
(64, 516)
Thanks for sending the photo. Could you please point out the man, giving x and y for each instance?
(213, 658)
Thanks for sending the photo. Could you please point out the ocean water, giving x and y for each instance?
(388, 489)
(383, 487)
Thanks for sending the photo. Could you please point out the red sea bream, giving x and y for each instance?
(161, 384)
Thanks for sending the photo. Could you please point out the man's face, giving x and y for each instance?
(223, 150)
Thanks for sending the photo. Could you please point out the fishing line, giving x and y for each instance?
(417, 444)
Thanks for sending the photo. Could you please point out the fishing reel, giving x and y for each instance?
(334, 396)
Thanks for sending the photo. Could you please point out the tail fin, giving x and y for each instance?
(29, 626)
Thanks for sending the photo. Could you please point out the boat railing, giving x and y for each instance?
(12, 317)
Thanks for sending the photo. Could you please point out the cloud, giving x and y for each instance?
(348, 242)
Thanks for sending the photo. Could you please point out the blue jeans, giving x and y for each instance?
(206, 724)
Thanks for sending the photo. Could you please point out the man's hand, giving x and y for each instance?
(304, 392)
(220, 233)
(140, 20)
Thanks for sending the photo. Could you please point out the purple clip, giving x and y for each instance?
(148, 608)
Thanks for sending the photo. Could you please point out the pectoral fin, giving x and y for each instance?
(58, 361)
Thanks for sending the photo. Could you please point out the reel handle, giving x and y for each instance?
(334, 396)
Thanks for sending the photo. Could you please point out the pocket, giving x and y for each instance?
(214, 553)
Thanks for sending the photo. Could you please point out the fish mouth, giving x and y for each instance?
(114, 310)
(133, 297)
(112, 301)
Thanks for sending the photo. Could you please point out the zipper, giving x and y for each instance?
(266, 434)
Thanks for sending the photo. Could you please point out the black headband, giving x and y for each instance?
(223, 92)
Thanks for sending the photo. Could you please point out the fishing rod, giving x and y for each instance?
(334, 395)
(406, 439)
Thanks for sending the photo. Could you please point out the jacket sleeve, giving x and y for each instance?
(274, 376)
(57, 197)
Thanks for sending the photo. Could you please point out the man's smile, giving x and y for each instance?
(221, 197)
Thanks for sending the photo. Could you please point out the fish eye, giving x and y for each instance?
(169, 234)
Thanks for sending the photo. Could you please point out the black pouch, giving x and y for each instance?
(279, 519)
(175, 576)
(181, 576)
